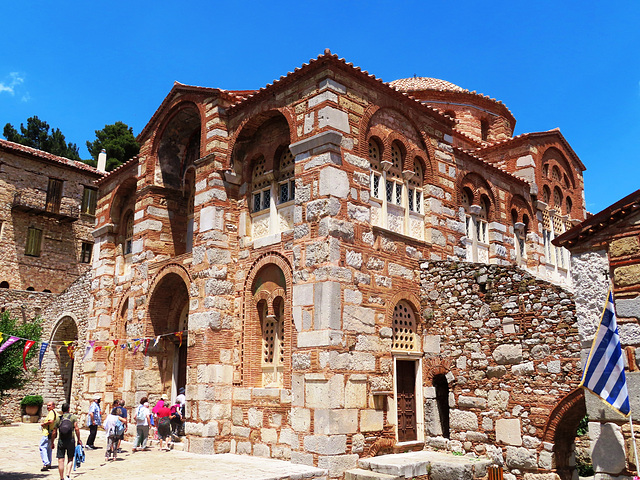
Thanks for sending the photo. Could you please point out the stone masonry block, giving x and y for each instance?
(371, 420)
(624, 246)
(360, 319)
(303, 295)
(327, 305)
(508, 431)
(326, 445)
(300, 419)
(335, 422)
(461, 420)
(627, 275)
(332, 117)
(333, 182)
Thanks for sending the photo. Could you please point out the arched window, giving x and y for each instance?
(476, 226)
(189, 194)
(484, 130)
(568, 206)
(404, 328)
(394, 177)
(4, 284)
(128, 234)
(466, 198)
(482, 226)
(555, 173)
(272, 194)
(546, 194)
(267, 351)
(260, 186)
(414, 191)
(286, 183)
(272, 343)
(520, 230)
(376, 169)
(557, 199)
(545, 170)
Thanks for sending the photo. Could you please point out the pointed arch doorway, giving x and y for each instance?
(169, 315)
(65, 331)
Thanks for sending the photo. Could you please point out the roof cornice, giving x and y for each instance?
(25, 151)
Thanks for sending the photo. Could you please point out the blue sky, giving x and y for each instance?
(572, 65)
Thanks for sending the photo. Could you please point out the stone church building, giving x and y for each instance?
(347, 261)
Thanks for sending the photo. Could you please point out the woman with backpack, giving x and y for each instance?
(114, 426)
(141, 416)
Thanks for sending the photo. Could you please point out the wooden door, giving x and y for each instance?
(406, 390)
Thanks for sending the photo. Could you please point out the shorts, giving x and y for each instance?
(69, 447)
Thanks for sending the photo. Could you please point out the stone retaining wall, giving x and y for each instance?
(510, 347)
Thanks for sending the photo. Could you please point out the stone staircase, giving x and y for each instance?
(423, 464)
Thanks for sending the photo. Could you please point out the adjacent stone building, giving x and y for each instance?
(47, 214)
(332, 261)
(606, 254)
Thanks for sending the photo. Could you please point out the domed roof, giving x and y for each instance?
(413, 84)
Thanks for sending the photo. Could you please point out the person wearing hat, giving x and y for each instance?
(94, 420)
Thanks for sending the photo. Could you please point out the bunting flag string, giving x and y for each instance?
(43, 349)
(8, 343)
(27, 347)
(134, 345)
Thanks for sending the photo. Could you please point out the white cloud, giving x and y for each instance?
(12, 81)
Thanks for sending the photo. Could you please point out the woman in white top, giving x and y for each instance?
(141, 417)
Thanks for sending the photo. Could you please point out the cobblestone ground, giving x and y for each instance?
(20, 460)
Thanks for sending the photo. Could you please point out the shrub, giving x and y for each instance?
(32, 401)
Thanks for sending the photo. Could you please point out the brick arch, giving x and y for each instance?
(553, 156)
(479, 186)
(251, 124)
(116, 206)
(185, 102)
(408, 297)
(362, 148)
(251, 366)
(365, 127)
(65, 329)
(58, 322)
(561, 430)
(171, 268)
(436, 366)
(522, 206)
(153, 304)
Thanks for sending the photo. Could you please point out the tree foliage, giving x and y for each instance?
(119, 143)
(12, 373)
(36, 134)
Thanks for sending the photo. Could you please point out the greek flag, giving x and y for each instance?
(604, 373)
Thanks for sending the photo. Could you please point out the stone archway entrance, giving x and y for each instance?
(65, 331)
(561, 431)
(169, 312)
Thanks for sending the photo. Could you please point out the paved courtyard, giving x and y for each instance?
(20, 460)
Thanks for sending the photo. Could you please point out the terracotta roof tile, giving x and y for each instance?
(424, 83)
(16, 147)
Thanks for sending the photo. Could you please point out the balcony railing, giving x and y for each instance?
(36, 203)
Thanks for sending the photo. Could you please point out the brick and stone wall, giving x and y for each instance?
(510, 347)
(64, 319)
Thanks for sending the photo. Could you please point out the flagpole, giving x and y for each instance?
(635, 448)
